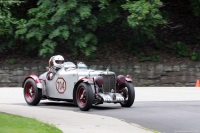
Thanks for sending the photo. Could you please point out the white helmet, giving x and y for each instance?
(58, 61)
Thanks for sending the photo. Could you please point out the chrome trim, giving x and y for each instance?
(111, 97)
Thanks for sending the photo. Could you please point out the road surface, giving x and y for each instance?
(165, 109)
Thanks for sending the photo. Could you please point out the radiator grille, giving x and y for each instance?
(109, 83)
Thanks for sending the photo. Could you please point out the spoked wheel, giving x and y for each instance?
(32, 94)
(129, 95)
(84, 96)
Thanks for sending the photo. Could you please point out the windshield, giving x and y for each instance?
(81, 65)
(69, 65)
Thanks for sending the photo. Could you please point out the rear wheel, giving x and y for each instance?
(32, 94)
(129, 95)
(84, 96)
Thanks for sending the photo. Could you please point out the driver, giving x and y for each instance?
(55, 63)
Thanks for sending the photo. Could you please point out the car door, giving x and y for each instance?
(62, 85)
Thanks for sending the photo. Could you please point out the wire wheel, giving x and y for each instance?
(84, 96)
(32, 94)
(29, 92)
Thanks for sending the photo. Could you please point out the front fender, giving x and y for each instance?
(81, 79)
(121, 79)
(85, 79)
(129, 79)
(35, 78)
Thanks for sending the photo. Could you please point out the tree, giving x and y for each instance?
(195, 5)
(7, 24)
(144, 15)
(72, 24)
(67, 23)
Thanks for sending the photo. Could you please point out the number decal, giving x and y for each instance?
(60, 85)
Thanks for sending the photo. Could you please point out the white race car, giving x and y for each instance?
(80, 85)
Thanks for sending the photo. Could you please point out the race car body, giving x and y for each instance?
(80, 85)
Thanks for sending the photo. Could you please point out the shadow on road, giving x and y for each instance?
(72, 107)
(60, 105)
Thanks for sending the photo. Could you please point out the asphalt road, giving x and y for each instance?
(168, 117)
(165, 109)
(12, 102)
(165, 117)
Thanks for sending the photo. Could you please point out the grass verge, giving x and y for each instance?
(17, 124)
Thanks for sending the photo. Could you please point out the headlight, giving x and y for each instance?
(99, 80)
(121, 79)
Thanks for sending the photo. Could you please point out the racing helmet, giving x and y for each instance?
(58, 61)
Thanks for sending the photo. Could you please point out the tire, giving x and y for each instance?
(84, 96)
(129, 95)
(32, 94)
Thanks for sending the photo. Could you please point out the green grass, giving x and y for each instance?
(17, 124)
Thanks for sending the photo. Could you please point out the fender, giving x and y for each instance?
(81, 79)
(35, 78)
(121, 79)
(129, 79)
(85, 79)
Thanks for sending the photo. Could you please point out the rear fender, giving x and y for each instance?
(35, 78)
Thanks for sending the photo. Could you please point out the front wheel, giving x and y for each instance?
(32, 94)
(129, 95)
(84, 96)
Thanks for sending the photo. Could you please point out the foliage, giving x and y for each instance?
(144, 15)
(156, 58)
(195, 5)
(77, 26)
(142, 58)
(195, 56)
(7, 24)
(11, 61)
(6, 20)
(44, 26)
(72, 24)
(69, 23)
(180, 49)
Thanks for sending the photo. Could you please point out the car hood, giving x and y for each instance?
(92, 73)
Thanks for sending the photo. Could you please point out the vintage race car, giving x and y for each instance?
(80, 85)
